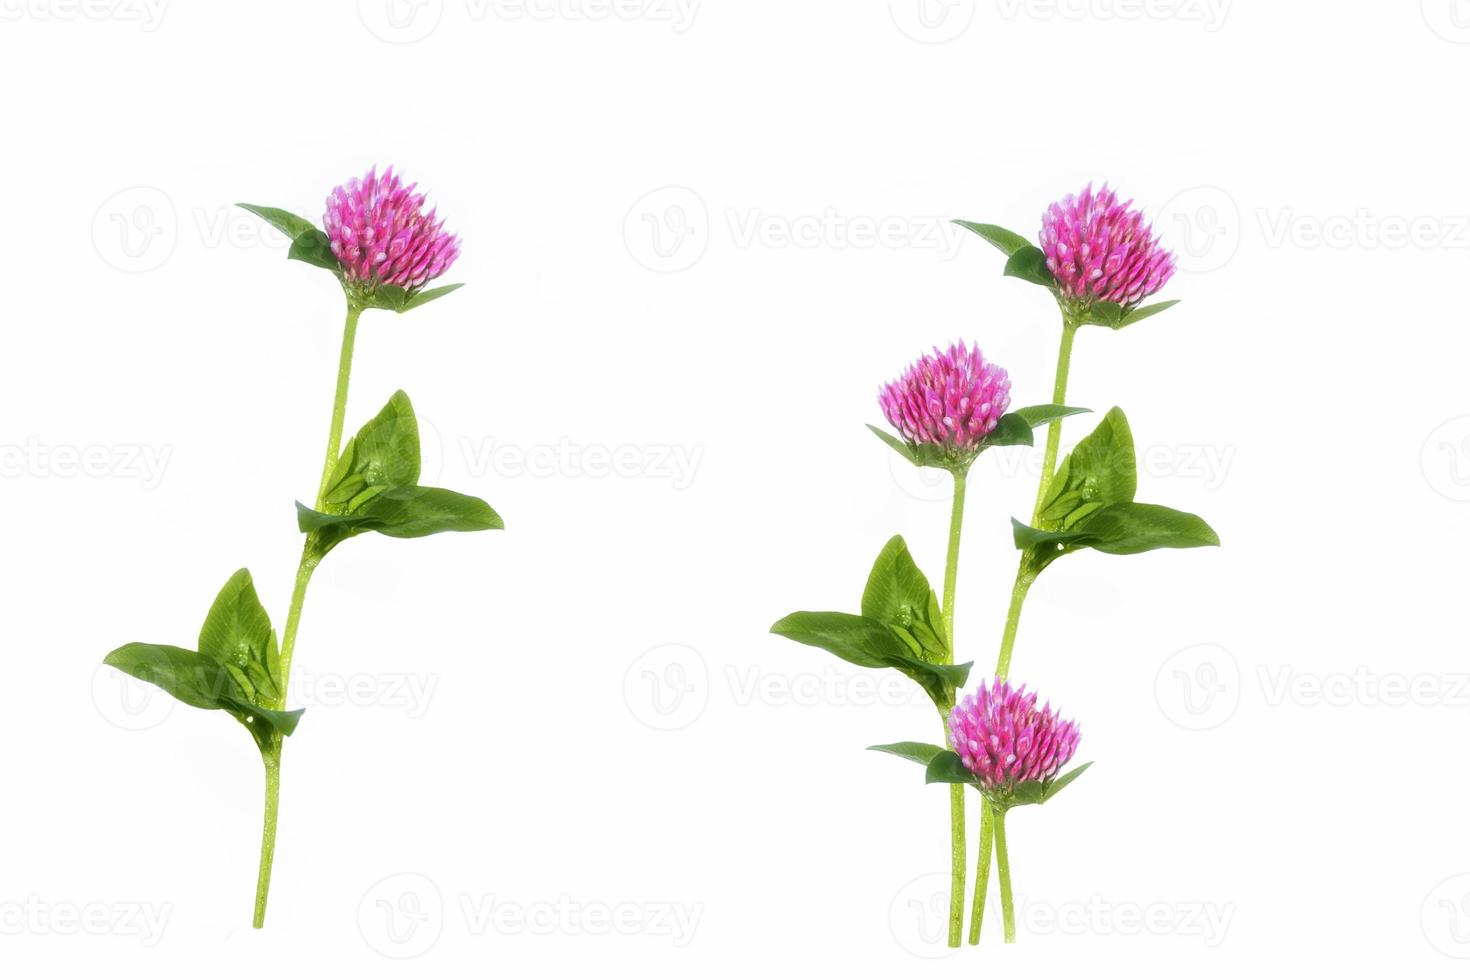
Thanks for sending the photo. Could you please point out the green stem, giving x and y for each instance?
(982, 874)
(309, 560)
(1058, 397)
(1024, 577)
(1003, 869)
(272, 762)
(1013, 620)
(952, 559)
(956, 791)
(992, 825)
(339, 403)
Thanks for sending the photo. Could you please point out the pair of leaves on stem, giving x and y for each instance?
(310, 244)
(943, 766)
(374, 487)
(1012, 429)
(900, 626)
(236, 669)
(1089, 504)
(1028, 262)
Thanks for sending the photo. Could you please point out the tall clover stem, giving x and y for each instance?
(956, 790)
(982, 874)
(1024, 577)
(309, 560)
(272, 762)
(1003, 868)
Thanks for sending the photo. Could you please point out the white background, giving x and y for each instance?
(486, 726)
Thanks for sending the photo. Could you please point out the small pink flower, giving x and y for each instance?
(1100, 250)
(380, 234)
(1001, 737)
(951, 399)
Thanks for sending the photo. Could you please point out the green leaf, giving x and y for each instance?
(1037, 791)
(1015, 428)
(1024, 794)
(946, 767)
(897, 593)
(399, 300)
(386, 296)
(263, 722)
(197, 681)
(294, 226)
(924, 454)
(236, 668)
(1055, 785)
(920, 752)
(402, 512)
(1144, 312)
(383, 455)
(1131, 529)
(1039, 415)
(428, 296)
(1116, 316)
(1104, 313)
(1116, 529)
(1026, 536)
(870, 643)
(856, 639)
(1010, 430)
(314, 248)
(1007, 241)
(904, 449)
(237, 635)
(414, 512)
(1101, 469)
(1029, 263)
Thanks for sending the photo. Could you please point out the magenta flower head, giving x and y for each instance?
(1099, 250)
(380, 235)
(950, 400)
(1004, 739)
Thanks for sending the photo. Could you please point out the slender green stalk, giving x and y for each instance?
(309, 560)
(956, 791)
(952, 559)
(308, 563)
(1003, 868)
(1024, 577)
(268, 835)
(339, 403)
(1013, 620)
(982, 874)
(1019, 591)
(1058, 397)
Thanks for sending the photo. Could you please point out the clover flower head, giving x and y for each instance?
(380, 234)
(1004, 739)
(951, 398)
(1101, 250)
